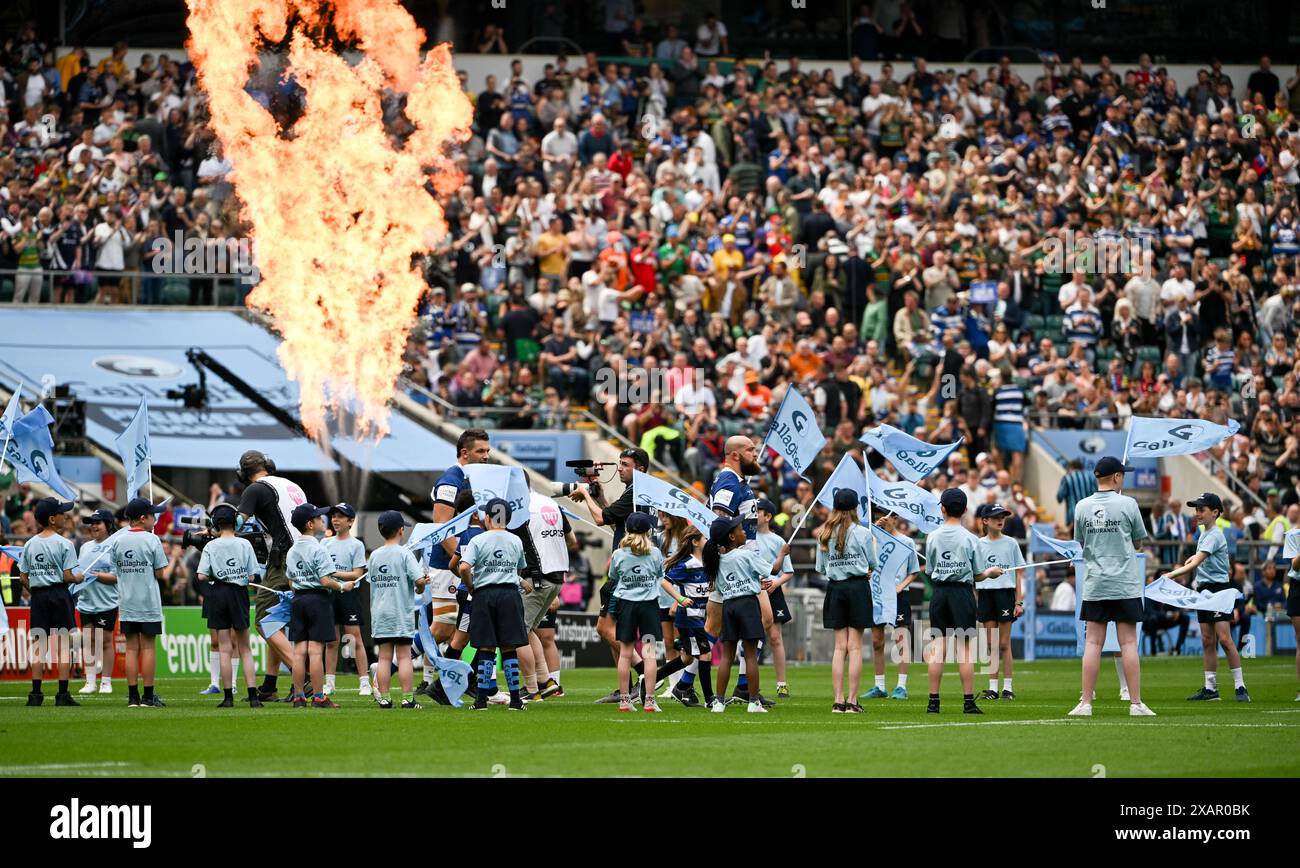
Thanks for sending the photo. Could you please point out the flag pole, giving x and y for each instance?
(1038, 564)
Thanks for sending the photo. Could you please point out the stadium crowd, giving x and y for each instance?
(958, 252)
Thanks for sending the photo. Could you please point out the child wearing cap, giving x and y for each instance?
(490, 567)
(845, 555)
(1000, 600)
(896, 567)
(46, 568)
(228, 564)
(737, 571)
(769, 544)
(1211, 564)
(97, 602)
(1108, 525)
(349, 556)
(395, 575)
(311, 616)
(637, 571)
(952, 557)
(138, 561)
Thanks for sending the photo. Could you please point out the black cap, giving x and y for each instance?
(48, 507)
(224, 513)
(344, 509)
(1210, 499)
(139, 507)
(389, 522)
(766, 506)
(499, 509)
(722, 527)
(953, 497)
(1109, 466)
(845, 498)
(640, 522)
(305, 512)
(97, 516)
(991, 510)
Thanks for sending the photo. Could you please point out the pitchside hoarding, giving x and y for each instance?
(1090, 446)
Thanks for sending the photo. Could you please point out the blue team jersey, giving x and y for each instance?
(445, 491)
(688, 575)
(470, 532)
(732, 495)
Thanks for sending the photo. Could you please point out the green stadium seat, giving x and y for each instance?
(1148, 354)
(7, 289)
(175, 292)
(1054, 322)
(1034, 323)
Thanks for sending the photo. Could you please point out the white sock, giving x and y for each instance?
(1211, 681)
(214, 668)
(880, 682)
(365, 678)
(329, 681)
(234, 671)
(1119, 670)
(993, 684)
(556, 676)
(675, 677)
(902, 680)
(1006, 683)
(693, 667)
(740, 654)
(1238, 680)
(90, 676)
(428, 669)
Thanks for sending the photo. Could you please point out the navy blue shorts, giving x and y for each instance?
(311, 616)
(497, 620)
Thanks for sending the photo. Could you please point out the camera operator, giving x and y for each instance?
(271, 500)
(614, 515)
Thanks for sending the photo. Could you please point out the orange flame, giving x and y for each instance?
(336, 210)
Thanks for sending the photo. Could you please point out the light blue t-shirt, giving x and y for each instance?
(495, 557)
(96, 596)
(44, 558)
(768, 545)
(851, 562)
(392, 572)
(135, 557)
(229, 559)
(739, 573)
(307, 564)
(348, 554)
(637, 577)
(952, 555)
(1107, 524)
(1002, 552)
(895, 561)
(1214, 569)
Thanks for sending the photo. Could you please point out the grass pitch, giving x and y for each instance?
(572, 737)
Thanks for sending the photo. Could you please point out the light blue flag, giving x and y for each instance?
(8, 420)
(277, 617)
(496, 480)
(910, 502)
(1155, 438)
(14, 552)
(4, 619)
(651, 491)
(31, 452)
(102, 560)
(913, 459)
(1166, 590)
(793, 432)
(847, 475)
(133, 448)
(454, 674)
(1066, 548)
(884, 600)
(426, 535)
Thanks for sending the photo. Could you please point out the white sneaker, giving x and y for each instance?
(365, 687)
(1083, 709)
(1297, 697)
(717, 706)
(756, 708)
(651, 705)
(1123, 694)
(501, 697)
(105, 685)
(329, 688)
(1139, 709)
(90, 687)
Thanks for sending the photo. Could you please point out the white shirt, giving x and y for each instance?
(691, 401)
(1172, 288)
(1063, 598)
(112, 246)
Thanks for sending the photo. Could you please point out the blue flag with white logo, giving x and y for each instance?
(454, 674)
(848, 474)
(913, 459)
(133, 448)
(14, 552)
(10, 417)
(651, 491)
(909, 502)
(496, 480)
(1066, 548)
(793, 432)
(1156, 438)
(426, 535)
(1166, 590)
(884, 599)
(31, 452)
(277, 617)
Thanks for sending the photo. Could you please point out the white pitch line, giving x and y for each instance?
(1086, 722)
(42, 767)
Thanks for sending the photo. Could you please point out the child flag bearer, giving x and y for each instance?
(395, 576)
(1001, 600)
(227, 564)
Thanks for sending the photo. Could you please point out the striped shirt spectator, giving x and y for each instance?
(1075, 486)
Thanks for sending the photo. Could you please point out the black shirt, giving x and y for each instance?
(260, 501)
